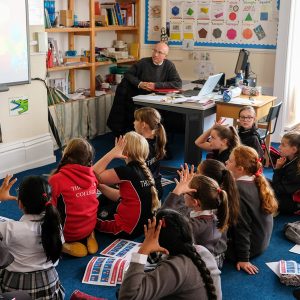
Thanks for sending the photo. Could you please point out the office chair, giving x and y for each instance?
(267, 129)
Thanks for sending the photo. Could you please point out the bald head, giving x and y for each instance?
(160, 52)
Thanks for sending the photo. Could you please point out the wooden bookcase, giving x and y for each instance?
(129, 34)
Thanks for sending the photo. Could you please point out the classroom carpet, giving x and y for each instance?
(235, 285)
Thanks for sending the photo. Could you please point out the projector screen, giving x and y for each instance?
(14, 42)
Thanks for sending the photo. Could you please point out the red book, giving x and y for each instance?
(166, 91)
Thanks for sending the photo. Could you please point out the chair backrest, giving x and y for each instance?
(273, 115)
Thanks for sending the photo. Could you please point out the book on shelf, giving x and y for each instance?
(47, 19)
(129, 13)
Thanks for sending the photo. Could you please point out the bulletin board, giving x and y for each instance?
(215, 23)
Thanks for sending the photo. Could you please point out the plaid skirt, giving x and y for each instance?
(41, 285)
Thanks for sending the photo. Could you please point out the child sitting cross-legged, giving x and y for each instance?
(74, 193)
(219, 141)
(123, 211)
(206, 205)
(187, 272)
(251, 235)
(35, 242)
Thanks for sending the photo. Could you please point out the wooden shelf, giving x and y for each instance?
(72, 67)
(116, 28)
(68, 29)
(129, 34)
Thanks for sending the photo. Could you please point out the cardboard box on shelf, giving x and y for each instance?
(66, 18)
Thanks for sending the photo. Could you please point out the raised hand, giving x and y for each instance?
(185, 177)
(5, 188)
(120, 144)
(151, 243)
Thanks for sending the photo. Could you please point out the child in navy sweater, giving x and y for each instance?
(286, 177)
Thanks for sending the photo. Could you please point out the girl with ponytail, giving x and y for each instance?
(147, 122)
(125, 210)
(206, 205)
(251, 235)
(35, 242)
(186, 272)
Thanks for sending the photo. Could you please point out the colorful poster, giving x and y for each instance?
(18, 105)
(218, 23)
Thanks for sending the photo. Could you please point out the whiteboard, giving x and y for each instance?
(14, 44)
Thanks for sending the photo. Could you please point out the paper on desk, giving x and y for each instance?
(274, 266)
(295, 249)
(150, 97)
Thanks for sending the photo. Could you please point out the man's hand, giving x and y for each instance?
(151, 243)
(5, 188)
(148, 86)
(247, 267)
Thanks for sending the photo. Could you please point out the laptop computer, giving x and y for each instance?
(207, 88)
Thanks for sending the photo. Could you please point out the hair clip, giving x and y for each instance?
(48, 203)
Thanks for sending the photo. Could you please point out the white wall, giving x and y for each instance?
(26, 142)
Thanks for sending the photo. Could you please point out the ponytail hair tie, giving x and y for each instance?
(48, 203)
(258, 172)
(219, 190)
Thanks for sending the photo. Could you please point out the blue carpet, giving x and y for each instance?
(235, 285)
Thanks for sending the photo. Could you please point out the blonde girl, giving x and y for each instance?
(286, 177)
(74, 193)
(251, 235)
(147, 122)
(207, 208)
(135, 201)
(219, 140)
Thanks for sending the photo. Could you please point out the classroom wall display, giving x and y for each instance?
(215, 23)
(14, 44)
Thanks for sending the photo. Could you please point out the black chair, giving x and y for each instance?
(266, 128)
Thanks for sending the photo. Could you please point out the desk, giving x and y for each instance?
(261, 105)
(194, 124)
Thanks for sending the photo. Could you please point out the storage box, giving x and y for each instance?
(66, 18)
(70, 59)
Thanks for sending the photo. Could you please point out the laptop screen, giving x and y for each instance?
(210, 84)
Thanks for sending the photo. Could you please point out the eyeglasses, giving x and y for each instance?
(158, 52)
(246, 118)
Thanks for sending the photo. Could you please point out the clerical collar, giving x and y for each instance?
(158, 64)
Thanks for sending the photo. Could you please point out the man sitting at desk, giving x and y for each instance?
(142, 78)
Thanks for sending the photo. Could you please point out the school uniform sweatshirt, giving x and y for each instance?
(251, 235)
(74, 194)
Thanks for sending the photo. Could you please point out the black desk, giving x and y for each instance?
(194, 124)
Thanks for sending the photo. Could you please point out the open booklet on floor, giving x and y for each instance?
(109, 270)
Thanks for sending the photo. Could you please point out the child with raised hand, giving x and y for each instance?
(136, 199)
(74, 193)
(247, 130)
(251, 235)
(188, 272)
(5, 188)
(206, 207)
(217, 171)
(35, 242)
(147, 122)
(286, 177)
(219, 141)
